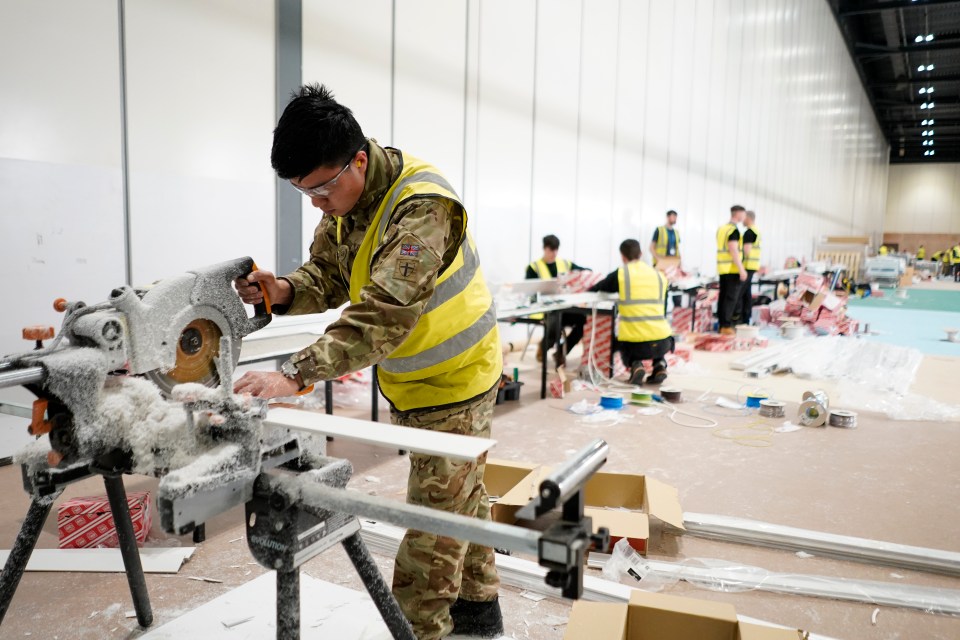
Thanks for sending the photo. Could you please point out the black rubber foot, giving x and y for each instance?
(480, 619)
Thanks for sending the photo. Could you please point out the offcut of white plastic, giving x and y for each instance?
(153, 559)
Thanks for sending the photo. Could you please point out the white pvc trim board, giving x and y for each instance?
(153, 559)
(435, 443)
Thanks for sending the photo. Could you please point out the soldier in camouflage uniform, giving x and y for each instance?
(393, 241)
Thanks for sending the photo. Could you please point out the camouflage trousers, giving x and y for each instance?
(432, 571)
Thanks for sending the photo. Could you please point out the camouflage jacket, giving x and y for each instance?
(368, 331)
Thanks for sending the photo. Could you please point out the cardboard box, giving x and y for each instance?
(667, 263)
(87, 522)
(811, 282)
(622, 502)
(655, 616)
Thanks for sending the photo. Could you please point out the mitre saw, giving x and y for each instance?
(169, 332)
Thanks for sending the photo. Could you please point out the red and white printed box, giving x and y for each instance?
(810, 282)
(88, 523)
(579, 281)
(681, 320)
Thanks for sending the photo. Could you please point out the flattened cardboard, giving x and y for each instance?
(655, 616)
(606, 494)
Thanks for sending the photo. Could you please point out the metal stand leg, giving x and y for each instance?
(328, 401)
(374, 385)
(199, 533)
(288, 604)
(128, 549)
(22, 549)
(543, 365)
(377, 588)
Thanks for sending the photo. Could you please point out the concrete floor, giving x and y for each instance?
(895, 481)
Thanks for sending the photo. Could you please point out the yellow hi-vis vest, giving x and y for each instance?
(662, 241)
(751, 262)
(725, 263)
(643, 292)
(543, 271)
(453, 353)
(921, 253)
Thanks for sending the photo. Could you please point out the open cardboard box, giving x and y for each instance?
(667, 262)
(655, 616)
(621, 502)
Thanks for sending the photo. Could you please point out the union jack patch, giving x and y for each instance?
(412, 250)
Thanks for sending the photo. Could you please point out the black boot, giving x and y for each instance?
(480, 619)
(636, 374)
(658, 376)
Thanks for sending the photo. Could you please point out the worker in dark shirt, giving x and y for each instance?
(643, 332)
(730, 270)
(750, 250)
(546, 268)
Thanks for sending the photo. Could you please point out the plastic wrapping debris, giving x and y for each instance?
(731, 577)
(875, 364)
(896, 406)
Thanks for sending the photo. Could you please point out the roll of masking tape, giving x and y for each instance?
(611, 401)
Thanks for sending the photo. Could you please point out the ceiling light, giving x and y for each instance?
(923, 90)
(918, 39)
(929, 67)
(924, 123)
(929, 89)
(923, 106)
(929, 37)
(930, 122)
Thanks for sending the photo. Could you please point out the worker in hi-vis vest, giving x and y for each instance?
(955, 260)
(393, 243)
(921, 253)
(730, 269)
(666, 242)
(750, 250)
(883, 250)
(550, 266)
(643, 332)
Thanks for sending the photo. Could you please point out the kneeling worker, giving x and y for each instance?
(643, 332)
(393, 242)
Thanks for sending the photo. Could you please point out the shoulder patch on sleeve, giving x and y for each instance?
(406, 268)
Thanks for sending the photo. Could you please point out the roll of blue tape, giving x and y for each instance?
(611, 401)
(754, 401)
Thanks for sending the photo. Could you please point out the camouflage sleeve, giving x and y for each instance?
(403, 277)
(318, 285)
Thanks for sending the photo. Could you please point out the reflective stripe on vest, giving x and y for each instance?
(543, 270)
(453, 352)
(725, 262)
(640, 310)
(751, 262)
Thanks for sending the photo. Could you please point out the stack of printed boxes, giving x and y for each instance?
(682, 318)
(813, 304)
(87, 522)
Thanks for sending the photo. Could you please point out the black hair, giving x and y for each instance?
(314, 131)
(671, 213)
(630, 249)
(736, 207)
(551, 242)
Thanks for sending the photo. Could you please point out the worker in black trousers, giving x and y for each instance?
(730, 269)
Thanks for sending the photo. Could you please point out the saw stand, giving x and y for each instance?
(293, 517)
(44, 487)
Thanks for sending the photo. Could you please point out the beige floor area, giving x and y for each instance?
(895, 481)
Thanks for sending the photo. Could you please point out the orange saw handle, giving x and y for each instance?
(261, 308)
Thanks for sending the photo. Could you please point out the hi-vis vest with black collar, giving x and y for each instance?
(543, 270)
(663, 238)
(725, 263)
(453, 353)
(751, 262)
(643, 291)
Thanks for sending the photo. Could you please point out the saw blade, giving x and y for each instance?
(197, 350)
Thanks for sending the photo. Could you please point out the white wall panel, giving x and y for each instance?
(429, 82)
(61, 209)
(350, 52)
(200, 113)
(923, 198)
(504, 133)
(556, 111)
(594, 243)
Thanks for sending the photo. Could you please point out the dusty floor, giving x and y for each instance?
(895, 481)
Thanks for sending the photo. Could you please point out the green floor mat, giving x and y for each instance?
(917, 299)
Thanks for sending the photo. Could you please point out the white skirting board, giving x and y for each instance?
(819, 543)
(434, 443)
(327, 611)
(385, 538)
(153, 559)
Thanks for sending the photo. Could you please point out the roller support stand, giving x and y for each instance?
(288, 604)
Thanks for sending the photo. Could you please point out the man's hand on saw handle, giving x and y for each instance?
(251, 288)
